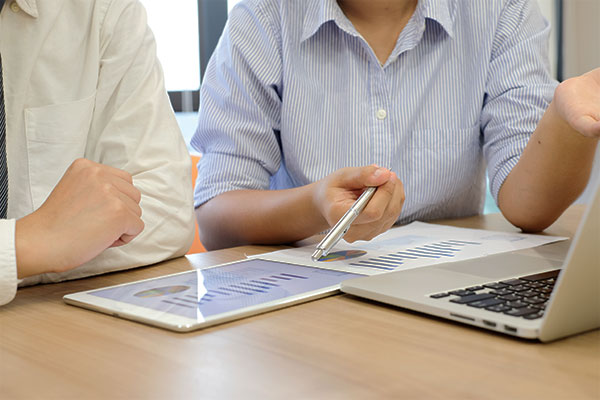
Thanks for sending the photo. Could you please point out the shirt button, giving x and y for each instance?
(15, 7)
(381, 114)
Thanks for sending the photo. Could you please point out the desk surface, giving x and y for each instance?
(337, 347)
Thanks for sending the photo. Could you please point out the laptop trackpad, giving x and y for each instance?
(500, 266)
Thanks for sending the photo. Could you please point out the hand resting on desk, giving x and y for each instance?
(93, 207)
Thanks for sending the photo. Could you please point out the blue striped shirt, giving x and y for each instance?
(293, 93)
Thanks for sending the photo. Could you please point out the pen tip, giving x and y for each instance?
(317, 255)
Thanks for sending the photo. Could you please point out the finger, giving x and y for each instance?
(376, 207)
(128, 221)
(591, 128)
(588, 126)
(361, 177)
(133, 227)
(131, 205)
(371, 229)
(396, 203)
(124, 175)
(117, 243)
(124, 239)
(126, 188)
(362, 232)
(99, 173)
(83, 164)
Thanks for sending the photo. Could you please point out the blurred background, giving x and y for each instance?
(187, 32)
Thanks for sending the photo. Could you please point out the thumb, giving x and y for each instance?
(587, 126)
(371, 175)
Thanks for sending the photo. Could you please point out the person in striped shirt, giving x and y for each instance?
(305, 103)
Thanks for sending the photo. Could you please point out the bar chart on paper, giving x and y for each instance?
(411, 246)
(446, 249)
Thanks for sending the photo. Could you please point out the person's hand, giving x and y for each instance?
(92, 208)
(336, 193)
(577, 101)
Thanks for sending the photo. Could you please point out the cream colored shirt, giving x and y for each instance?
(81, 79)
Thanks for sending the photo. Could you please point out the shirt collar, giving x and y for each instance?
(440, 11)
(320, 12)
(28, 6)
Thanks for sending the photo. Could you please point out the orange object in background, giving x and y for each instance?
(197, 246)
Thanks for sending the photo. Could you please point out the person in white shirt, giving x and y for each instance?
(98, 173)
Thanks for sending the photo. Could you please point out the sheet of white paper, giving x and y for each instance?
(415, 245)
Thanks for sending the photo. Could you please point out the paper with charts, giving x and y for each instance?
(415, 245)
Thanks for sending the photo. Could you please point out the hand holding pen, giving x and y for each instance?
(339, 230)
(381, 199)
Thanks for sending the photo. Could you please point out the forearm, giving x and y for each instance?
(259, 217)
(551, 173)
(30, 258)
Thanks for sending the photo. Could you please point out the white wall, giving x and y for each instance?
(549, 11)
(231, 3)
(175, 27)
(581, 36)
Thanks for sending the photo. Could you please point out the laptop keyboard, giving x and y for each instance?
(525, 297)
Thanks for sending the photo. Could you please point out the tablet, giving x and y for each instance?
(200, 298)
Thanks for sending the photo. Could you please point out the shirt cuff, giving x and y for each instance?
(8, 261)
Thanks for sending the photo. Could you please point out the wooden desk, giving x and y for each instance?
(335, 348)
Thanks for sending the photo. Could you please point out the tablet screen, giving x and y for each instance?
(203, 293)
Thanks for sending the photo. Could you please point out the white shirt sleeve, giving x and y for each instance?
(8, 264)
(133, 128)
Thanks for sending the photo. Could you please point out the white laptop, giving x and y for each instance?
(530, 294)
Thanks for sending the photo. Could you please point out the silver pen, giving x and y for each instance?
(342, 226)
